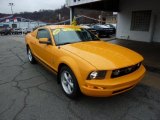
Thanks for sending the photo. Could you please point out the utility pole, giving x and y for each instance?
(11, 4)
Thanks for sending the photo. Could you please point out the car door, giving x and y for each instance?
(44, 51)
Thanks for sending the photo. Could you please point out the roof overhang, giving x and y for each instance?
(103, 5)
(71, 3)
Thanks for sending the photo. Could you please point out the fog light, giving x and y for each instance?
(138, 65)
(116, 72)
(128, 70)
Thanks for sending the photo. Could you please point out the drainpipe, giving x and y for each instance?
(153, 27)
(71, 14)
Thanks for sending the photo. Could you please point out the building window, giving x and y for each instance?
(141, 20)
(14, 25)
(74, 0)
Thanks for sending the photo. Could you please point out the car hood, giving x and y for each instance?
(104, 55)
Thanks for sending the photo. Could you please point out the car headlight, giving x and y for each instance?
(97, 75)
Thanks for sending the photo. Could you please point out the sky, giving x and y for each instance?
(29, 5)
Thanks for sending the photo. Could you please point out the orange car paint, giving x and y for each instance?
(85, 57)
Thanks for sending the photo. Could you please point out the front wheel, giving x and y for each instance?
(30, 56)
(69, 82)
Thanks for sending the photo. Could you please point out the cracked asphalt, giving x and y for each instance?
(30, 92)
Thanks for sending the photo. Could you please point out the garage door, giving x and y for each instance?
(156, 37)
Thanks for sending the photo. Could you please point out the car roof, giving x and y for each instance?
(85, 26)
(59, 26)
(103, 26)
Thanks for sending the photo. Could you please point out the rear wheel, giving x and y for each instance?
(30, 56)
(69, 82)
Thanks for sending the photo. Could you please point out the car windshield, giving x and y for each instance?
(64, 36)
(103, 26)
(109, 25)
(85, 26)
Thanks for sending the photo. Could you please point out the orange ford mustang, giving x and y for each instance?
(84, 63)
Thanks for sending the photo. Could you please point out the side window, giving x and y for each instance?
(108, 26)
(96, 27)
(42, 33)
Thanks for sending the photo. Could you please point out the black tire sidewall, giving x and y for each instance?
(33, 61)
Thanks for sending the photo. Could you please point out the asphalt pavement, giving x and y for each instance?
(30, 92)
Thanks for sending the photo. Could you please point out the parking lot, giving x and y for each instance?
(30, 92)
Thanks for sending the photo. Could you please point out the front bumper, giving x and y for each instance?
(110, 87)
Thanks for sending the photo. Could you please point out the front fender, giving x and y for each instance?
(70, 62)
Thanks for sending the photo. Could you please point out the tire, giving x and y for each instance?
(69, 82)
(31, 58)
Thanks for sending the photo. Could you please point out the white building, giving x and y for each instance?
(137, 19)
(29, 25)
(19, 22)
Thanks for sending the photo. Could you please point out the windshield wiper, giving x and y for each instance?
(64, 43)
(90, 40)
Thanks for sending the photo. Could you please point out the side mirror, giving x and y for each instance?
(44, 41)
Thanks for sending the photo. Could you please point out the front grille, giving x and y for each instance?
(125, 71)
